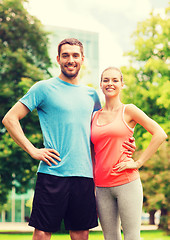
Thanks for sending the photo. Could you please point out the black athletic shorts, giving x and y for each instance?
(68, 198)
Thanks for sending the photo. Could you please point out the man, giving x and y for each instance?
(64, 188)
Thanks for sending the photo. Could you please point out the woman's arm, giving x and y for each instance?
(158, 136)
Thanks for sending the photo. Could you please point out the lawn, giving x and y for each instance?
(145, 235)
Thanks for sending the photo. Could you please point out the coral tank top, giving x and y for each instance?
(108, 140)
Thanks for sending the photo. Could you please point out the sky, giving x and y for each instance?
(114, 20)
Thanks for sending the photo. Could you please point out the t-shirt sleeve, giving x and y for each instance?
(97, 104)
(34, 97)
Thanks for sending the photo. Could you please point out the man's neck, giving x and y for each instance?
(74, 81)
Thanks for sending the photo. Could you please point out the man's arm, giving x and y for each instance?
(130, 146)
(13, 126)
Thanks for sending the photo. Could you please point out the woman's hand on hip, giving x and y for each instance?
(130, 164)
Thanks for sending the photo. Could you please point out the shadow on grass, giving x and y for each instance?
(145, 235)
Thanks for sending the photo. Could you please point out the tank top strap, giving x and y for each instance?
(121, 111)
(95, 115)
(123, 116)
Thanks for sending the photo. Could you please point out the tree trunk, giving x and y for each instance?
(152, 217)
(164, 219)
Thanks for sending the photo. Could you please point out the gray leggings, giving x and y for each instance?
(122, 203)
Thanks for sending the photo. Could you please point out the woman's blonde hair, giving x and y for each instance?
(113, 68)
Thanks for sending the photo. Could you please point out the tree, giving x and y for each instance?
(24, 59)
(147, 86)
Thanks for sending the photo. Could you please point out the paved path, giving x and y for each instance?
(23, 227)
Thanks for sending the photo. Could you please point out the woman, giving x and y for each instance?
(119, 192)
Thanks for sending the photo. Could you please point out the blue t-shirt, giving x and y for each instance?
(64, 112)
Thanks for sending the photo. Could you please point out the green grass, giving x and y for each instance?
(145, 235)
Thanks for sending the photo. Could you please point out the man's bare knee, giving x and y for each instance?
(41, 235)
(79, 235)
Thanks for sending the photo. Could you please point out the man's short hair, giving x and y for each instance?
(70, 41)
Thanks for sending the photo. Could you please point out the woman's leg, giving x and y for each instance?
(130, 200)
(108, 214)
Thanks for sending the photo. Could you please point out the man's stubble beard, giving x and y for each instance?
(70, 76)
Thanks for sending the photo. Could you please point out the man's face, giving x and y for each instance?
(70, 60)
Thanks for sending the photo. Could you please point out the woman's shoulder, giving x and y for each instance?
(130, 107)
(133, 110)
(95, 112)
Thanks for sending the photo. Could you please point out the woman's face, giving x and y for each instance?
(111, 83)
